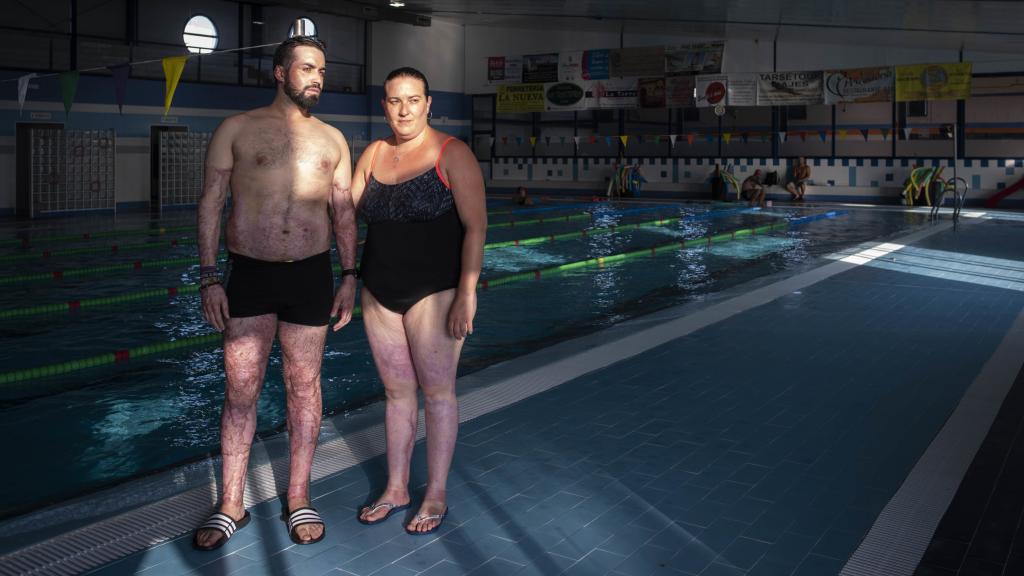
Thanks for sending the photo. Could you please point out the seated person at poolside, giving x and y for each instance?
(753, 190)
(717, 184)
(801, 174)
(521, 198)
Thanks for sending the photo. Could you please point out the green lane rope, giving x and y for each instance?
(127, 354)
(601, 261)
(117, 356)
(124, 266)
(75, 305)
(114, 248)
(139, 264)
(26, 242)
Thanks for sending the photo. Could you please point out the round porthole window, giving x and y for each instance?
(200, 35)
(308, 28)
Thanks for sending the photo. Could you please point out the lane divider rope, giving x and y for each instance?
(127, 354)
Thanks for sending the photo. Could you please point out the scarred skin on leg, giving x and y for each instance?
(289, 177)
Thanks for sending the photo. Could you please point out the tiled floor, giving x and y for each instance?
(764, 444)
(982, 532)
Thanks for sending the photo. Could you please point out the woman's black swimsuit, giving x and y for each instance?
(413, 239)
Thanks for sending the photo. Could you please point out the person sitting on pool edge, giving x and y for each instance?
(753, 190)
(801, 174)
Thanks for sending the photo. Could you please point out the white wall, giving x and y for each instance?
(436, 50)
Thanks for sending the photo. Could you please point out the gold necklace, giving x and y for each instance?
(398, 156)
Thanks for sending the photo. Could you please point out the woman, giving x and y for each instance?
(421, 194)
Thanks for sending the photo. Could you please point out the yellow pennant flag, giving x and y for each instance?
(173, 67)
(727, 136)
(533, 140)
(842, 134)
(625, 139)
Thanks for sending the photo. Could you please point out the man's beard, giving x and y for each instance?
(299, 97)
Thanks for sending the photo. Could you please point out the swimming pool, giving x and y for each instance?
(99, 426)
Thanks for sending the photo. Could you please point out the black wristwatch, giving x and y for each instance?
(350, 272)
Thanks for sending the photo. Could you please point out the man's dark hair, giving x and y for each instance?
(409, 72)
(284, 57)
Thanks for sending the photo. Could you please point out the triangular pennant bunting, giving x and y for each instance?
(173, 67)
(68, 87)
(842, 134)
(782, 136)
(885, 133)
(823, 135)
(120, 76)
(907, 132)
(625, 139)
(23, 83)
(865, 132)
(672, 139)
(690, 138)
(727, 137)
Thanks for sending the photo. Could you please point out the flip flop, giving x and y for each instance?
(439, 517)
(225, 524)
(301, 517)
(392, 508)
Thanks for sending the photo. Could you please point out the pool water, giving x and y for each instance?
(96, 427)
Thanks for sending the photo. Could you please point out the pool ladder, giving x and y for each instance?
(956, 185)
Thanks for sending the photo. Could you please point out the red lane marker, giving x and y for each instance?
(137, 264)
(654, 251)
(46, 254)
(122, 355)
(484, 284)
(74, 305)
(171, 292)
(517, 242)
(57, 274)
(536, 274)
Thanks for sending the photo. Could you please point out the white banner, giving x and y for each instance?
(570, 66)
(712, 90)
(614, 93)
(742, 90)
(789, 88)
(859, 85)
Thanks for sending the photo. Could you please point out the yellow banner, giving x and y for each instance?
(933, 82)
(173, 67)
(625, 139)
(520, 98)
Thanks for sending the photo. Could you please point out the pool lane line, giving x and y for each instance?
(173, 291)
(26, 242)
(139, 264)
(702, 242)
(615, 228)
(185, 241)
(74, 272)
(113, 249)
(125, 355)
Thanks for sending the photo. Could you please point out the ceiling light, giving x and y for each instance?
(396, 4)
